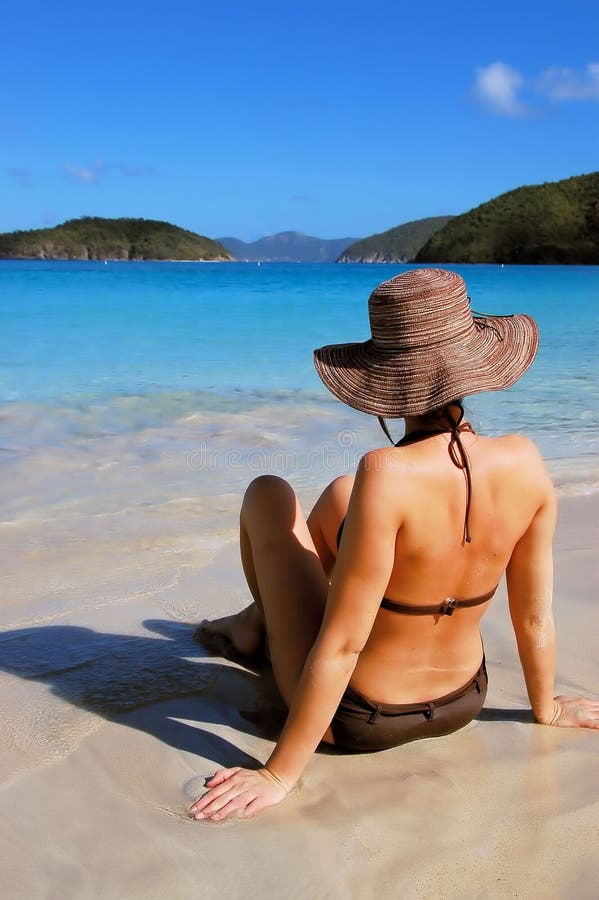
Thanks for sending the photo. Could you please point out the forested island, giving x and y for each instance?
(120, 239)
(399, 244)
(555, 222)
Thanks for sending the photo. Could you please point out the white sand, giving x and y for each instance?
(94, 807)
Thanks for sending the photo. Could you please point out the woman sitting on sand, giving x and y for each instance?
(370, 609)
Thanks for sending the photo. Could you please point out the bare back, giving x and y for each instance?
(407, 658)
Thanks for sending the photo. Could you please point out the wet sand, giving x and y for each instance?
(113, 716)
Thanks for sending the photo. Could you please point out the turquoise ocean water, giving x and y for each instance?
(137, 400)
(75, 333)
(218, 358)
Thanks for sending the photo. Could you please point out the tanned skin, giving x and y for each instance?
(318, 609)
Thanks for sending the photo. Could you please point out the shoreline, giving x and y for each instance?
(124, 473)
(113, 716)
(109, 259)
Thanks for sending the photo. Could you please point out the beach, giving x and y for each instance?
(99, 768)
(123, 475)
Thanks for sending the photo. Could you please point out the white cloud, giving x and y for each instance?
(497, 87)
(559, 83)
(89, 175)
(95, 173)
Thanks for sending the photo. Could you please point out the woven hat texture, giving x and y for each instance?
(427, 348)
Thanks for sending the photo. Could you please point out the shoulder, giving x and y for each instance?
(519, 458)
(521, 450)
(380, 465)
(518, 444)
(380, 483)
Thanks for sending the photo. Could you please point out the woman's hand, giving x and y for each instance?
(243, 792)
(574, 712)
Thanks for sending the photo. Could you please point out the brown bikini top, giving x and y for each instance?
(459, 458)
(447, 608)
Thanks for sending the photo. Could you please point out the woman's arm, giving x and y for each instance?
(361, 575)
(530, 592)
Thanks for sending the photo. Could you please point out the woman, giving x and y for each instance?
(371, 608)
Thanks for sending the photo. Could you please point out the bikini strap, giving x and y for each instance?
(459, 458)
(457, 454)
(383, 425)
(447, 608)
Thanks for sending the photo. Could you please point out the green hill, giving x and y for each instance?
(555, 222)
(399, 244)
(95, 238)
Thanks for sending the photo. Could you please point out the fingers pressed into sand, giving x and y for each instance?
(236, 792)
(222, 800)
(221, 776)
(201, 807)
(234, 806)
(212, 794)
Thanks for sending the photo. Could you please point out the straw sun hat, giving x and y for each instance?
(427, 348)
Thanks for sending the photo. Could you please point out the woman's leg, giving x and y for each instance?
(286, 579)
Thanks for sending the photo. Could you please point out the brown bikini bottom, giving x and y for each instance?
(362, 725)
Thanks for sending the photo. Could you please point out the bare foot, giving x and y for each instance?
(245, 630)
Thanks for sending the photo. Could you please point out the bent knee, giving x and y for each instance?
(268, 483)
(340, 490)
(268, 489)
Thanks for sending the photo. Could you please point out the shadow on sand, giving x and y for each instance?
(124, 678)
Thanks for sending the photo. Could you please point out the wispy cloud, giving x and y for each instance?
(559, 83)
(97, 171)
(301, 198)
(497, 86)
(87, 174)
(22, 177)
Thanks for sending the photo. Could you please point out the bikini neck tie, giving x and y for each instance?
(457, 454)
(459, 458)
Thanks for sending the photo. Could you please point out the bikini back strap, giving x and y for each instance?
(447, 608)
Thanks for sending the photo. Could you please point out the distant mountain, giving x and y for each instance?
(96, 238)
(555, 222)
(287, 246)
(399, 244)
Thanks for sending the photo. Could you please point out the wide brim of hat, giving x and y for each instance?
(415, 382)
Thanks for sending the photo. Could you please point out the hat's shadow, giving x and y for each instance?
(129, 679)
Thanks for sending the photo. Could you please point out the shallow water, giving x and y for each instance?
(138, 400)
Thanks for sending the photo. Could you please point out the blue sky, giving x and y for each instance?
(331, 118)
